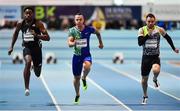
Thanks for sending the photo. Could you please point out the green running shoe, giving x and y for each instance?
(84, 84)
(76, 100)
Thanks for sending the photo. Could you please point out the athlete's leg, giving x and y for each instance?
(77, 68)
(145, 70)
(156, 70)
(37, 70)
(144, 83)
(86, 69)
(27, 73)
(76, 83)
(37, 60)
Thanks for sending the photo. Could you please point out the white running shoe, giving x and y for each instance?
(144, 100)
(27, 92)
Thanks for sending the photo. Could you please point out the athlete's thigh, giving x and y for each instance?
(27, 55)
(77, 65)
(87, 62)
(156, 60)
(146, 66)
(36, 56)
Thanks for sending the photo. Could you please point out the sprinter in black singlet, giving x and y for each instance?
(149, 39)
(33, 31)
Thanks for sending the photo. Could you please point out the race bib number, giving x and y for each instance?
(28, 37)
(151, 44)
(81, 43)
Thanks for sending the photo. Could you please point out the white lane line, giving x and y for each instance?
(171, 75)
(134, 78)
(50, 93)
(173, 65)
(107, 93)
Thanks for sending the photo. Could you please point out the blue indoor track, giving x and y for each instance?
(111, 87)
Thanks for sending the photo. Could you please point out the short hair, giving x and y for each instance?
(30, 8)
(78, 13)
(150, 15)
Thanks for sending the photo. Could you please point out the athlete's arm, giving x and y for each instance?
(44, 36)
(99, 39)
(15, 36)
(71, 40)
(168, 38)
(141, 37)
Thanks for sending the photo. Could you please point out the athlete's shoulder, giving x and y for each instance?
(161, 30)
(19, 24)
(89, 27)
(38, 23)
(72, 29)
(141, 29)
(158, 27)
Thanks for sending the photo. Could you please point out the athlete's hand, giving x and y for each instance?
(101, 46)
(10, 50)
(71, 42)
(176, 50)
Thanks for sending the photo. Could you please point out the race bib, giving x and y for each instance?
(28, 37)
(81, 43)
(151, 44)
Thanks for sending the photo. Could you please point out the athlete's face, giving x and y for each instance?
(79, 20)
(150, 22)
(28, 14)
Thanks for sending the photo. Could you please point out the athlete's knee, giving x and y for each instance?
(28, 60)
(77, 78)
(156, 68)
(28, 63)
(144, 80)
(87, 66)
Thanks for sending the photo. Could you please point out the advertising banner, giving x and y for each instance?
(12, 13)
(122, 12)
(108, 12)
(162, 12)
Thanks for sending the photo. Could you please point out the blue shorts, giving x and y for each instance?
(77, 63)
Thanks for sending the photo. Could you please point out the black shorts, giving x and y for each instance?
(147, 62)
(36, 54)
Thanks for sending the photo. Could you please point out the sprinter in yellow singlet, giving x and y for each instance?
(149, 39)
